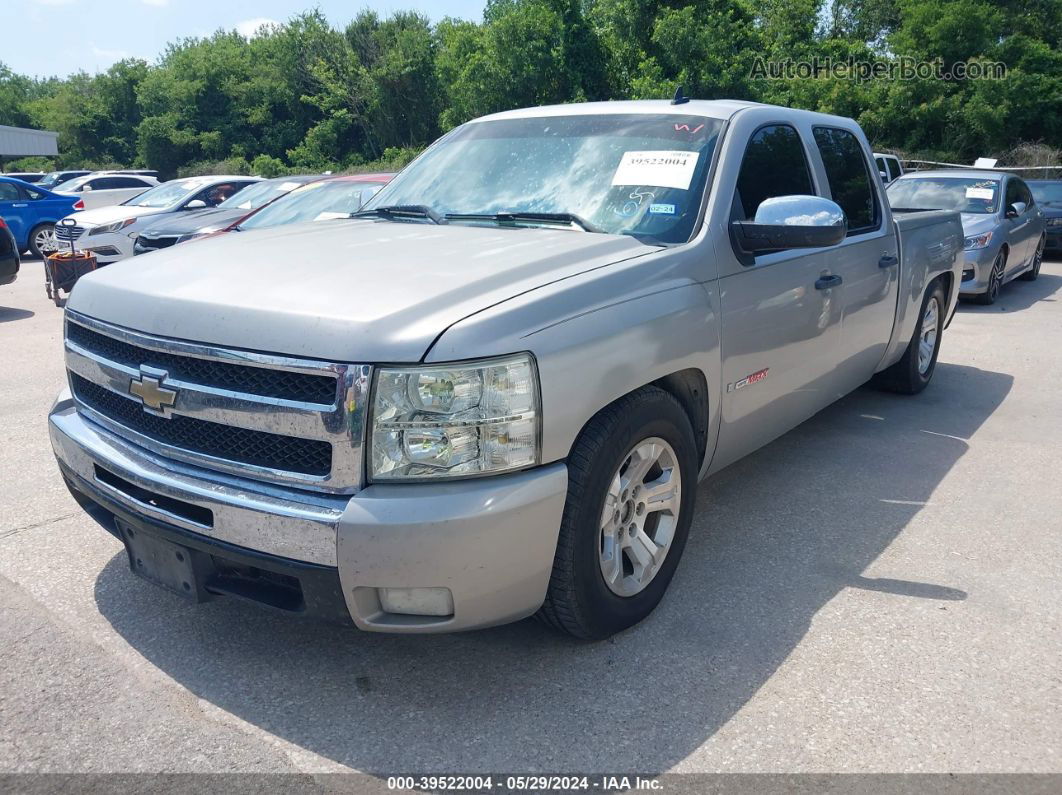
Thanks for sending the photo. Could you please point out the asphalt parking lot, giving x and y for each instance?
(877, 591)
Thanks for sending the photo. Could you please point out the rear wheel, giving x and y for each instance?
(995, 281)
(912, 373)
(40, 239)
(1038, 258)
(632, 475)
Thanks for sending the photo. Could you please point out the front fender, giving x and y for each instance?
(598, 337)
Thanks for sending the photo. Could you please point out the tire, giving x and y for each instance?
(995, 282)
(579, 599)
(913, 372)
(37, 236)
(1034, 272)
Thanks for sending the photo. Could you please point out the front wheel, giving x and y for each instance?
(995, 282)
(912, 373)
(632, 475)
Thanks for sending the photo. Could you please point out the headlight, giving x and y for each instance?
(977, 241)
(115, 227)
(445, 421)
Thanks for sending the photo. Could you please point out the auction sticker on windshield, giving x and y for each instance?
(976, 192)
(658, 169)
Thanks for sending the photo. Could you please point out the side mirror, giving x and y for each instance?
(1014, 210)
(785, 222)
(195, 204)
(884, 176)
(85, 188)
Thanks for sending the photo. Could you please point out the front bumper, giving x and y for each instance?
(108, 248)
(490, 541)
(976, 268)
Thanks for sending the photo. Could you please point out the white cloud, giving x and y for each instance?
(249, 27)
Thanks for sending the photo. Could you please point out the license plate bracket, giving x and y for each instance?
(161, 562)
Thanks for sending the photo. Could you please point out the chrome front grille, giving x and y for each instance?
(68, 233)
(272, 418)
(156, 242)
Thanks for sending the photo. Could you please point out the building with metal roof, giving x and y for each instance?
(22, 142)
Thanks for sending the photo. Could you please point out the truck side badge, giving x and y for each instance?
(759, 375)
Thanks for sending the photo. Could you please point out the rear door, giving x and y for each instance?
(867, 261)
(780, 319)
(14, 209)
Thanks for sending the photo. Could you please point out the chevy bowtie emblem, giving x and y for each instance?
(156, 398)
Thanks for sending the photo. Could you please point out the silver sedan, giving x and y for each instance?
(1004, 228)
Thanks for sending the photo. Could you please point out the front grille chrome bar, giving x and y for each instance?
(340, 422)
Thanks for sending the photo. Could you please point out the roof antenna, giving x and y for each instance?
(679, 98)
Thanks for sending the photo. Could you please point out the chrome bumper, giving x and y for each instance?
(274, 521)
(490, 542)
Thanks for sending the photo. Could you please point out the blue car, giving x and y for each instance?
(30, 212)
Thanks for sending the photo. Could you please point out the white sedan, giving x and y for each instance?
(104, 190)
(109, 232)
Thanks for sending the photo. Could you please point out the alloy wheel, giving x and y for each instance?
(639, 517)
(927, 337)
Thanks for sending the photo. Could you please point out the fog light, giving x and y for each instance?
(417, 601)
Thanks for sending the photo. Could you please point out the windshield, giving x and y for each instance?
(50, 179)
(72, 185)
(318, 201)
(962, 194)
(1047, 192)
(635, 174)
(257, 195)
(166, 194)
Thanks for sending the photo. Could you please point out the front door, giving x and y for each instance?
(1020, 230)
(780, 311)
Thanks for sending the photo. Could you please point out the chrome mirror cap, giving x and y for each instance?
(799, 211)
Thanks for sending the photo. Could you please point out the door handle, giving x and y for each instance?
(20, 205)
(826, 282)
(888, 261)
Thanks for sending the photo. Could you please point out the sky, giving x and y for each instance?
(59, 37)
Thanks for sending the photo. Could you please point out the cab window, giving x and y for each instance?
(849, 178)
(774, 165)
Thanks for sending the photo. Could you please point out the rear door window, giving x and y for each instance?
(127, 182)
(774, 165)
(8, 192)
(849, 178)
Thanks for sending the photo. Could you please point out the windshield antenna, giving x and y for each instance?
(679, 99)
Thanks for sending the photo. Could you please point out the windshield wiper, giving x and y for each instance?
(401, 211)
(518, 217)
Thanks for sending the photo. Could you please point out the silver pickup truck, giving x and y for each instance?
(493, 392)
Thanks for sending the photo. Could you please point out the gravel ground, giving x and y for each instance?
(877, 591)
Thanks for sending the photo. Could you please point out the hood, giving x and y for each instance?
(344, 291)
(185, 223)
(114, 212)
(976, 223)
